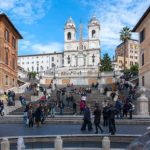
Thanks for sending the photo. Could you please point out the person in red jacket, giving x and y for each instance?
(82, 106)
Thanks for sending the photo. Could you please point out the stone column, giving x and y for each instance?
(106, 143)
(142, 104)
(58, 143)
(20, 144)
(5, 144)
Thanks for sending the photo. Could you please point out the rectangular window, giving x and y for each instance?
(6, 80)
(53, 65)
(131, 46)
(6, 56)
(142, 59)
(142, 35)
(143, 82)
(7, 35)
(13, 42)
(13, 62)
(52, 58)
(131, 62)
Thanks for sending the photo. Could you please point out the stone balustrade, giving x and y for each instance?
(20, 89)
(58, 144)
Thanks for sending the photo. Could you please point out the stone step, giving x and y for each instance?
(92, 148)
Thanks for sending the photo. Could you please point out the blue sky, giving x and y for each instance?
(41, 22)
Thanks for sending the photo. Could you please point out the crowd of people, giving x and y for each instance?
(65, 98)
(109, 112)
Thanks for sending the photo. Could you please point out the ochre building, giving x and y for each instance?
(143, 27)
(131, 54)
(8, 53)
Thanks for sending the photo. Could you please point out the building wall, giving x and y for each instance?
(40, 62)
(132, 53)
(8, 72)
(144, 71)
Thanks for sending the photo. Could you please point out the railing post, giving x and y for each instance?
(5, 144)
(58, 143)
(20, 144)
(106, 143)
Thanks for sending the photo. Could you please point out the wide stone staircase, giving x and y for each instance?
(95, 96)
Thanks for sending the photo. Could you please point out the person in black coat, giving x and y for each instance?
(112, 111)
(105, 116)
(86, 119)
(37, 115)
(97, 117)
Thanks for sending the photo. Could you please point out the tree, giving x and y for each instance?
(106, 63)
(125, 35)
(134, 69)
(32, 75)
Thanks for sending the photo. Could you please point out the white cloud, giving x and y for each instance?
(7, 4)
(113, 16)
(27, 11)
(51, 47)
(47, 48)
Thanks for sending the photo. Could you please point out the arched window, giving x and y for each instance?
(13, 82)
(93, 33)
(69, 36)
(68, 59)
(6, 79)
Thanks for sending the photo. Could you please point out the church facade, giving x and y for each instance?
(81, 58)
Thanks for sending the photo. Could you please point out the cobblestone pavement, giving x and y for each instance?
(52, 129)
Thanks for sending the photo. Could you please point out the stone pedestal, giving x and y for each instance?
(106, 143)
(142, 104)
(5, 144)
(58, 143)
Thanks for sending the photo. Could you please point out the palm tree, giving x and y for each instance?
(125, 35)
